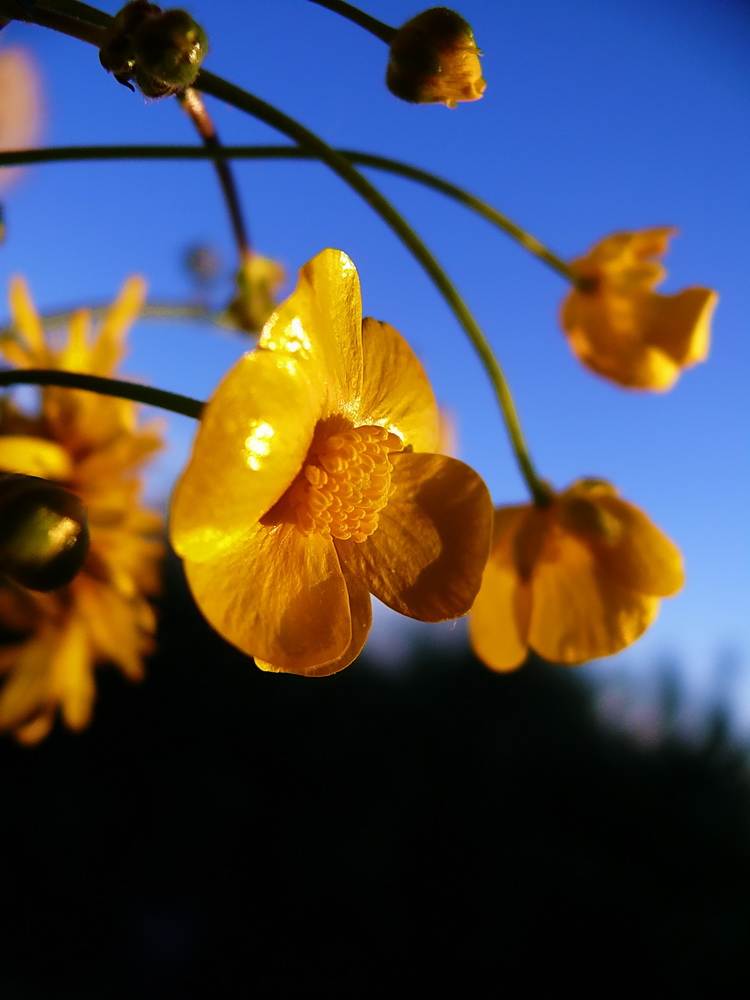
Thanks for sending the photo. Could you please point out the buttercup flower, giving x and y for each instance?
(312, 485)
(93, 446)
(434, 60)
(619, 327)
(575, 580)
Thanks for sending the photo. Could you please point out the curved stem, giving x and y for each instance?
(186, 406)
(470, 201)
(383, 31)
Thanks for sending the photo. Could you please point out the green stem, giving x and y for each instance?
(184, 405)
(470, 201)
(383, 31)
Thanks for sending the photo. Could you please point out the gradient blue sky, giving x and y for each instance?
(598, 117)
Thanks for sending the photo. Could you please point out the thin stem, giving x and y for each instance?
(193, 104)
(186, 406)
(66, 16)
(470, 201)
(383, 31)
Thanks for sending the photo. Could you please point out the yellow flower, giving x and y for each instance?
(93, 446)
(312, 485)
(621, 328)
(578, 579)
(434, 60)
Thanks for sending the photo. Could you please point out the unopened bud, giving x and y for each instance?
(161, 50)
(258, 281)
(44, 535)
(434, 60)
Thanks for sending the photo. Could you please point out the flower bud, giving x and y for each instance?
(161, 50)
(258, 281)
(44, 535)
(434, 60)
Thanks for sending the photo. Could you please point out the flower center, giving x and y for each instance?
(345, 483)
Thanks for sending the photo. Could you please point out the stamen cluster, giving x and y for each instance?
(345, 483)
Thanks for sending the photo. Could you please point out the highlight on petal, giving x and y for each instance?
(278, 596)
(396, 393)
(251, 443)
(319, 326)
(427, 556)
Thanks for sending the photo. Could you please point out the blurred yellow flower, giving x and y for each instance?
(312, 485)
(93, 446)
(578, 579)
(619, 327)
(434, 60)
(20, 105)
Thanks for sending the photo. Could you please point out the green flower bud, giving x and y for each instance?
(169, 49)
(161, 50)
(44, 535)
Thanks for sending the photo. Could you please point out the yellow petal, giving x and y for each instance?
(34, 457)
(276, 595)
(642, 558)
(396, 393)
(31, 350)
(319, 326)
(579, 611)
(108, 348)
(426, 557)
(499, 621)
(681, 325)
(251, 443)
(360, 608)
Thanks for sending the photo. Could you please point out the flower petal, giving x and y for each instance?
(277, 595)
(360, 609)
(580, 611)
(499, 620)
(681, 325)
(34, 456)
(30, 349)
(319, 326)
(396, 393)
(426, 557)
(251, 443)
(642, 559)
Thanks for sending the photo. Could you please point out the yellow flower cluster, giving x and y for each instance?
(94, 446)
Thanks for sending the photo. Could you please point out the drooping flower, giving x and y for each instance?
(93, 446)
(434, 60)
(575, 580)
(312, 485)
(619, 327)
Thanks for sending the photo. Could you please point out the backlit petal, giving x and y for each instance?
(643, 558)
(360, 609)
(427, 555)
(396, 392)
(250, 445)
(499, 621)
(681, 325)
(34, 456)
(579, 611)
(277, 595)
(319, 326)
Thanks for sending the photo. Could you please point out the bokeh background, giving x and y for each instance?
(213, 808)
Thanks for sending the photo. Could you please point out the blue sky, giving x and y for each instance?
(598, 117)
